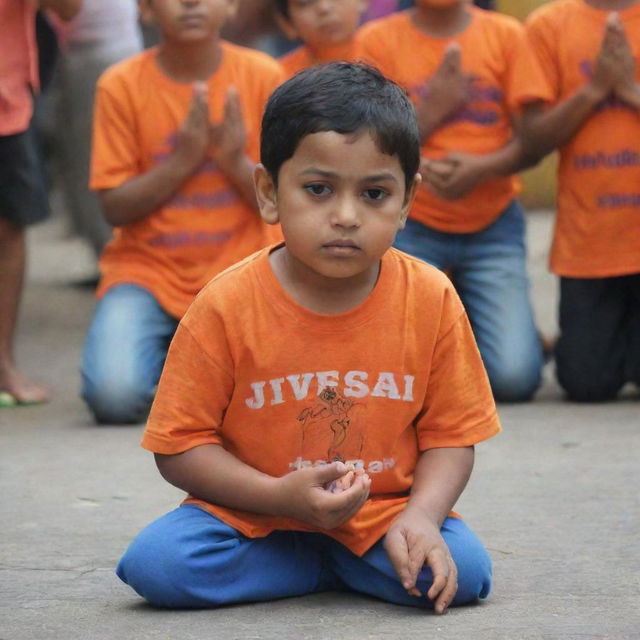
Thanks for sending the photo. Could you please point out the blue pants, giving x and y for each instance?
(189, 558)
(124, 353)
(488, 269)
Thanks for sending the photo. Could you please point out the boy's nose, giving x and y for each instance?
(346, 213)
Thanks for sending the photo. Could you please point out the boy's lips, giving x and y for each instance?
(192, 19)
(341, 247)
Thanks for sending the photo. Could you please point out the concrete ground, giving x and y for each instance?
(555, 498)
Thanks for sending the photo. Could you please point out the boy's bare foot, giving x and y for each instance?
(14, 385)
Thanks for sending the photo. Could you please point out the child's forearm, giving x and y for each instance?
(213, 474)
(140, 196)
(439, 479)
(506, 161)
(546, 129)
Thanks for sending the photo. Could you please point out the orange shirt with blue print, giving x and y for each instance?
(281, 387)
(597, 232)
(495, 53)
(206, 226)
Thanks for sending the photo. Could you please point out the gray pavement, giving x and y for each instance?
(555, 498)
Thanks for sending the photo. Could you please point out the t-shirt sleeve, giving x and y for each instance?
(116, 150)
(459, 409)
(195, 387)
(541, 40)
(525, 81)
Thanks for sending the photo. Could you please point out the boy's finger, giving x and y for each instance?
(440, 570)
(453, 55)
(329, 472)
(448, 593)
(232, 112)
(396, 547)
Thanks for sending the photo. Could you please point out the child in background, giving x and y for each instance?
(176, 136)
(468, 72)
(321, 399)
(326, 27)
(589, 107)
(23, 193)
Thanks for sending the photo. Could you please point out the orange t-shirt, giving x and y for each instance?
(495, 53)
(597, 230)
(206, 226)
(282, 387)
(18, 64)
(302, 57)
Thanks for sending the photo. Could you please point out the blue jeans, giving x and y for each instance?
(124, 353)
(190, 558)
(488, 269)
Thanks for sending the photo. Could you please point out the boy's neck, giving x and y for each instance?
(318, 293)
(442, 23)
(611, 5)
(191, 61)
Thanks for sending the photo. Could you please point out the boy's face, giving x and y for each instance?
(321, 23)
(187, 20)
(340, 202)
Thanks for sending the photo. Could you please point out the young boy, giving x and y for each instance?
(327, 29)
(321, 399)
(589, 107)
(175, 140)
(467, 70)
(23, 192)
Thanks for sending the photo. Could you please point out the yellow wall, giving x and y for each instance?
(539, 184)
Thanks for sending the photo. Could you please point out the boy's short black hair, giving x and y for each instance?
(283, 7)
(344, 97)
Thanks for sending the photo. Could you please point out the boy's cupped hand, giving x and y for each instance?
(325, 496)
(413, 541)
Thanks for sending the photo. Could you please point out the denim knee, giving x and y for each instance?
(515, 381)
(473, 563)
(155, 572)
(118, 402)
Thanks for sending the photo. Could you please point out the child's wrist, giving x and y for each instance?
(593, 93)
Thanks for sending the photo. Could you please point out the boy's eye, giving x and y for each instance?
(317, 189)
(375, 194)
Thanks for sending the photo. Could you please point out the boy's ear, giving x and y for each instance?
(286, 26)
(266, 195)
(408, 200)
(146, 12)
(232, 8)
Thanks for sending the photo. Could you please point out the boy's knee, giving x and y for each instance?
(474, 576)
(516, 381)
(582, 388)
(154, 573)
(472, 561)
(118, 403)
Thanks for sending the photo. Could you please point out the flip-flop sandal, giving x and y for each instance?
(7, 400)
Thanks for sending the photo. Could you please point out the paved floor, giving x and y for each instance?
(555, 498)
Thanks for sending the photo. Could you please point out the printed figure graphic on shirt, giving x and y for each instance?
(334, 418)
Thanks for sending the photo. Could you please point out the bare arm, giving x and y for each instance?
(64, 9)
(414, 539)
(140, 196)
(440, 478)
(547, 128)
(211, 473)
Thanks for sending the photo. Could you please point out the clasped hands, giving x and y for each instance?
(199, 138)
